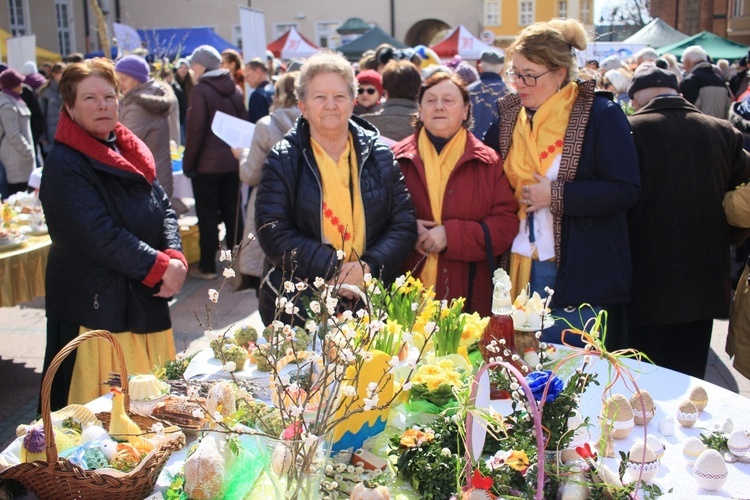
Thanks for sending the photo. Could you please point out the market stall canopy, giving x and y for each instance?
(353, 25)
(656, 33)
(292, 45)
(461, 42)
(42, 55)
(181, 42)
(368, 41)
(716, 47)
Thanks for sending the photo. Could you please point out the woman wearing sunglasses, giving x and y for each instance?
(369, 92)
(570, 158)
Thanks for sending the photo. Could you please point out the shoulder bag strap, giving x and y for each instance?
(473, 265)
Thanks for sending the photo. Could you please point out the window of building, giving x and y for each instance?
(586, 12)
(18, 23)
(237, 35)
(737, 8)
(562, 9)
(327, 35)
(692, 17)
(525, 12)
(65, 39)
(492, 13)
(281, 28)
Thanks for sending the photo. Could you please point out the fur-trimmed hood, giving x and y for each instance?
(154, 96)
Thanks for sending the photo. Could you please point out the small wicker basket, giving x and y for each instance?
(59, 479)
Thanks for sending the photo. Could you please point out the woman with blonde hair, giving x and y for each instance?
(572, 163)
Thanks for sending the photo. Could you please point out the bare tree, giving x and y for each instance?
(627, 12)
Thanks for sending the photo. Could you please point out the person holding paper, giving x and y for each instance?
(209, 161)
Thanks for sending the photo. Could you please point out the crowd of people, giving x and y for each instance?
(605, 183)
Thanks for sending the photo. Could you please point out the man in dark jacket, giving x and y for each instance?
(401, 82)
(484, 93)
(256, 76)
(679, 236)
(209, 161)
(701, 86)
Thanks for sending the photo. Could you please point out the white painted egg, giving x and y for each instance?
(519, 318)
(655, 445)
(738, 443)
(666, 427)
(642, 457)
(692, 449)
(727, 427)
(581, 433)
(639, 417)
(531, 357)
(699, 397)
(710, 470)
(617, 416)
(687, 414)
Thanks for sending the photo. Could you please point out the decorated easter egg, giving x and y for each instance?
(666, 427)
(687, 414)
(692, 449)
(738, 443)
(655, 445)
(642, 457)
(281, 459)
(640, 401)
(617, 416)
(95, 459)
(699, 397)
(710, 471)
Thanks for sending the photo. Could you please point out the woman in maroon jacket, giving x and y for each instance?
(462, 198)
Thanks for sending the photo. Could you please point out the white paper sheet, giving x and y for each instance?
(234, 131)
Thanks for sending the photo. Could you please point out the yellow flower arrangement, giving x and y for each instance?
(474, 326)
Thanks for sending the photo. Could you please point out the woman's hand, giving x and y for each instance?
(237, 152)
(173, 279)
(431, 237)
(352, 273)
(536, 196)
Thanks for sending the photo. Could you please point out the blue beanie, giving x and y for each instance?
(134, 66)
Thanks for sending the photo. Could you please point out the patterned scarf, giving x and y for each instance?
(343, 212)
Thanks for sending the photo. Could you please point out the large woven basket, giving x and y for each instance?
(59, 479)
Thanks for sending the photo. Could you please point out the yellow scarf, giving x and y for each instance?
(343, 212)
(437, 169)
(533, 150)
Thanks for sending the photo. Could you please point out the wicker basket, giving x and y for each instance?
(59, 479)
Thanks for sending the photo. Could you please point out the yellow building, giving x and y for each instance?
(504, 19)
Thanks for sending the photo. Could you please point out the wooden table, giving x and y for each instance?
(22, 271)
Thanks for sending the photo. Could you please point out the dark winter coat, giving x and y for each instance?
(259, 104)
(394, 120)
(478, 176)
(50, 103)
(706, 90)
(597, 184)
(483, 95)
(290, 201)
(205, 153)
(679, 234)
(105, 244)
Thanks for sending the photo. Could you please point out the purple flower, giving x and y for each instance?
(539, 380)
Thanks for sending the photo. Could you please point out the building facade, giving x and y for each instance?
(726, 18)
(66, 26)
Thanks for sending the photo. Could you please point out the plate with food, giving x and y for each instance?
(546, 323)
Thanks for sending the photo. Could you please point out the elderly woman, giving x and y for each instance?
(268, 131)
(571, 160)
(17, 152)
(330, 185)
(444, 166)
(116, 254)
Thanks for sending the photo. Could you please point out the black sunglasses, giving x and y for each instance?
(370, 91)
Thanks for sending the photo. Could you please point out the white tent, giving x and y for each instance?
(292, 45)
(461, 42)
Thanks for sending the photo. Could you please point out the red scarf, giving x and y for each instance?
(134, 156)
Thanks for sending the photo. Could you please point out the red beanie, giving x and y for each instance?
(371, 77)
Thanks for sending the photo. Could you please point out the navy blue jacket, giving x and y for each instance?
(289, 204)
(593, 261)
(94, 261)
(259, 104)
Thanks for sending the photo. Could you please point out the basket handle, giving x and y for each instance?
(71, 346)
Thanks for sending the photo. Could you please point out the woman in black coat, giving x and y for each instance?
(308, 216)
(116, 256)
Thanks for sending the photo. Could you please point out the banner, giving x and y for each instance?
(127, 37)
(601, 50)
(253, 27)
(20, 50)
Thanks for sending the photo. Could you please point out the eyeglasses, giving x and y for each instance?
(370, 90)
(531, 82)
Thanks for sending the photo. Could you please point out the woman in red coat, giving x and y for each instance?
(461, 196)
